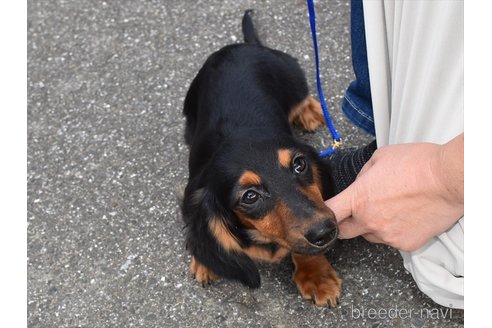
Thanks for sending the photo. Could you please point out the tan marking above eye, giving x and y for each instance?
(284, 157)
(249, 178)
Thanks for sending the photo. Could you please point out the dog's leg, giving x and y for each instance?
(201, 273)
(316, 279)
(308, 114)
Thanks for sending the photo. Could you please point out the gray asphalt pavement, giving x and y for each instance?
(106, 158)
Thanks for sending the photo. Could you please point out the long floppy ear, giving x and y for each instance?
(209, 238)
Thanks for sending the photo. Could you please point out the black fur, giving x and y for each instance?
(236, 118)
(249, 31)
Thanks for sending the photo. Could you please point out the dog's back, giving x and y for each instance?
(243, 83)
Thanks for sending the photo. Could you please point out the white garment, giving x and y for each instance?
(415, 56)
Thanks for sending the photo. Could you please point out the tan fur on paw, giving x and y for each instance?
(316, 279)
(308, 114)
(201, 273)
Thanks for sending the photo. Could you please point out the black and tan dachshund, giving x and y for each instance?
(255, 193)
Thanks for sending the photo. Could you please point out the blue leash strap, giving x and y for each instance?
(337, 141)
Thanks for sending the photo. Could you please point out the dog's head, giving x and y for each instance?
(257, 193)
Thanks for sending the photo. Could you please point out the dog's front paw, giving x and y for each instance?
(317, 280)
(201, 273)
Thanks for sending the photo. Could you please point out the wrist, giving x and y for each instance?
(449, 171)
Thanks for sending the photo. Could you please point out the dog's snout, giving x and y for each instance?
(322, 233)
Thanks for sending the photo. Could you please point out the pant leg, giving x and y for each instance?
(415, 60)
(357, 102)
(438, 267)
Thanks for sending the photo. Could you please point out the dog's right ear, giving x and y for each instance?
(209, 237)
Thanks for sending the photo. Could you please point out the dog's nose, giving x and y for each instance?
(322, 233)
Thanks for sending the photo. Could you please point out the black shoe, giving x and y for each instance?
(347, 163)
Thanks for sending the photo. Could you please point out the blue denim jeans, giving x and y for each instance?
(357, 102)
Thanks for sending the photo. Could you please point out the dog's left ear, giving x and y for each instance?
(209, 238)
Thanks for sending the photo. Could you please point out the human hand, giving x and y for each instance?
(404, 195)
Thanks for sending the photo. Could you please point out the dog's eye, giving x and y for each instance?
(299, 164)
(250, 197)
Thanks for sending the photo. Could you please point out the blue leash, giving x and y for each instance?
(337, 141)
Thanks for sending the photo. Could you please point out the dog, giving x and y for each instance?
(255, 193)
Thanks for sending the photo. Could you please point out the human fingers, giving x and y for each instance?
(341, 205)
(372, 238)
(349, 228)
